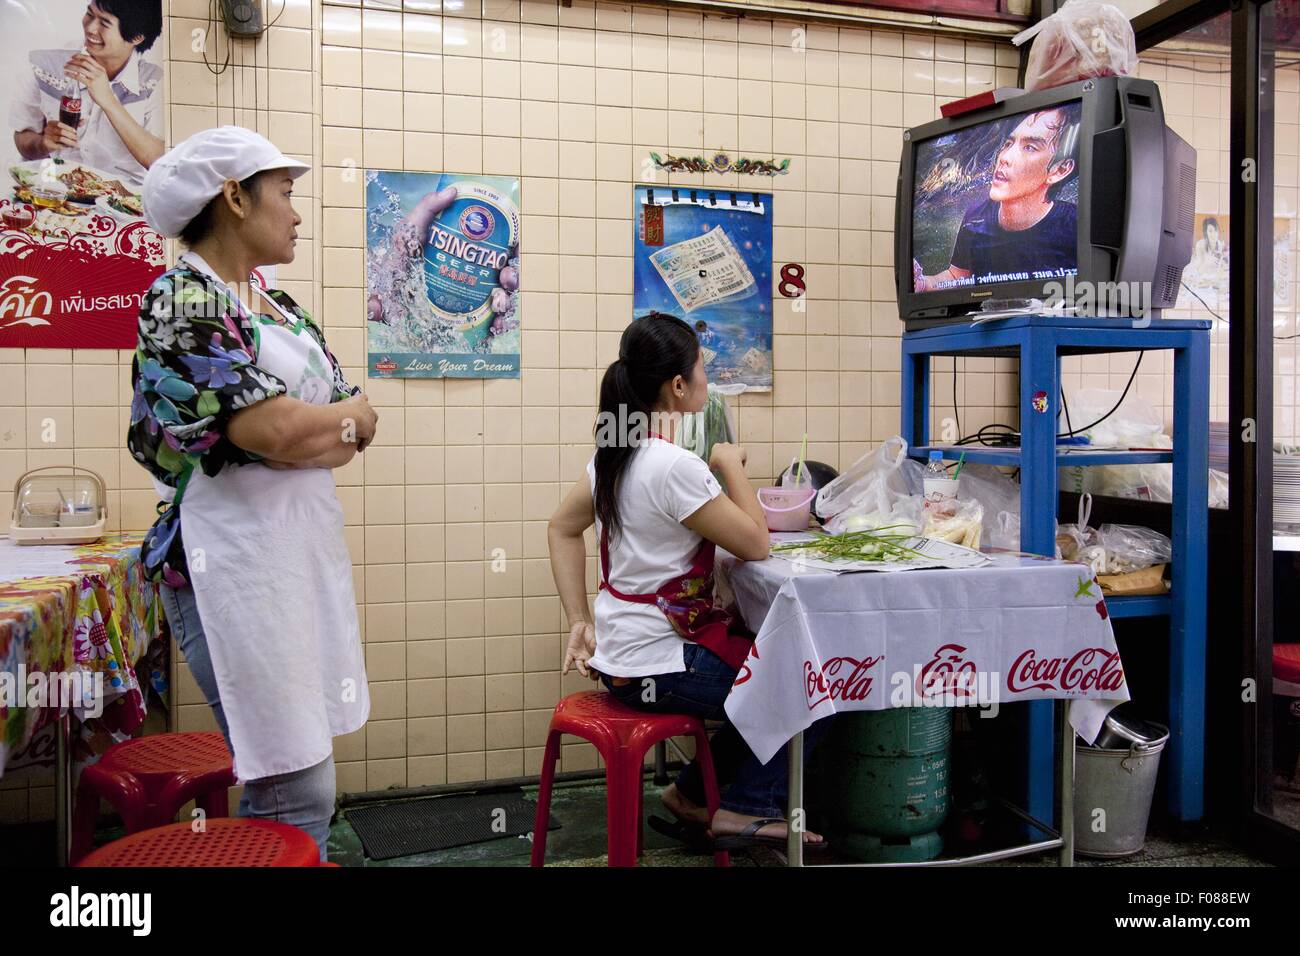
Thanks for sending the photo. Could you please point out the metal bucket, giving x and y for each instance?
(1112, 796)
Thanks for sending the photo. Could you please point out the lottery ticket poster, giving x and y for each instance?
(705, 255)
(442, 275)
(81, 92)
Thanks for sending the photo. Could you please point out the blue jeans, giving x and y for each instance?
(303, 798)
(751, 788)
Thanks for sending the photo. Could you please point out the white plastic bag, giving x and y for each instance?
(991, 488)
(884, 485)
(1083, 39)
(714, 424)
(1135, 423)
(1004, 531)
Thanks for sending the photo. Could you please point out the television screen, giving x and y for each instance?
(997, 202)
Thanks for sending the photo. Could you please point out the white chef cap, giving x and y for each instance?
(190, 174)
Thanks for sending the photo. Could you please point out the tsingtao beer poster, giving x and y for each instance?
(442, 275)
(82, 92)
(705, 255)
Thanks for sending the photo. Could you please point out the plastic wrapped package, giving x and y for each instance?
(1083, 39)
(964, 526)
(1112, 548)
(1141, 482)
(1130, 547)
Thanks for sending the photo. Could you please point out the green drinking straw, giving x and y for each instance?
(798, 478)
(960, 461)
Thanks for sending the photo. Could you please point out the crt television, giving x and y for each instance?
(1078, 184)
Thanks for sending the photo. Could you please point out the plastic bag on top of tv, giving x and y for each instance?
(1083, 39)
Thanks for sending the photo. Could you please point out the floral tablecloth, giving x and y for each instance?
(84, 611)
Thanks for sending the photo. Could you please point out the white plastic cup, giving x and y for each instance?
(941, 495)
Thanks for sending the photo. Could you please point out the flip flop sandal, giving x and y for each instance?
(749, 837)
(694, 835)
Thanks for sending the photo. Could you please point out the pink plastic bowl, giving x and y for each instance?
(787, 509)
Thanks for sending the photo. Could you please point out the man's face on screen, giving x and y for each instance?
(1024, 163)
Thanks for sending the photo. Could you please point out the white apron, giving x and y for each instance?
(275, 592)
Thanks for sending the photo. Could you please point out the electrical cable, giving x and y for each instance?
(1279, 338)
(212, 31)
(1010, 437)
(1123, 395)
(955, 411)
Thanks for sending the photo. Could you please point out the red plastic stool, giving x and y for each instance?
(1286, 663)
(149, 779)
(622, 735)
(226, 841)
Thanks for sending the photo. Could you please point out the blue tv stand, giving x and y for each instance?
(1039, 342)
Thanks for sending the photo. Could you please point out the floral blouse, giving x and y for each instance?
(195, 365)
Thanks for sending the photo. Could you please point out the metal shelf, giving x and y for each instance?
(1153, 605)
(1065, 456)
(1038, 342)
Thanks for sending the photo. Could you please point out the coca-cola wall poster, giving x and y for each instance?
(82, 93)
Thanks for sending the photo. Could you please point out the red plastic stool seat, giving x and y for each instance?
(225, 841)
(622, 735)
(149, 779)
(1286, 663)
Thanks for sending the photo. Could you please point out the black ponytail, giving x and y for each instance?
(653, 349)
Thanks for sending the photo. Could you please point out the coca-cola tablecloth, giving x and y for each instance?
(1020, 628)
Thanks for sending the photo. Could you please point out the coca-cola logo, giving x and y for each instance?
(840, 678)
(948, 673)
(745, 673)
(1089, 670)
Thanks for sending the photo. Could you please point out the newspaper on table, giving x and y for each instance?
(932, 553)
(704, 269)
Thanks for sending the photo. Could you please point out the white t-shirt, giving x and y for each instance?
(662, 485)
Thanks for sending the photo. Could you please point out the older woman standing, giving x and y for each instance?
(240, 413)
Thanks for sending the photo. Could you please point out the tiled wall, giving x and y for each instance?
(463, 661)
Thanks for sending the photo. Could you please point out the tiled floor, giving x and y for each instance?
(580, 841)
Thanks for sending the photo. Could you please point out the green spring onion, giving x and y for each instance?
(877, 545)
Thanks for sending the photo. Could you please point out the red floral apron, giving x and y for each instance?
(687, 602)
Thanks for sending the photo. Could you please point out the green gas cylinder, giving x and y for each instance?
(886, 779)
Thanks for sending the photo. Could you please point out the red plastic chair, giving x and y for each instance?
(149, 779)
(225, 841)
(623, 736)
(1286, 663)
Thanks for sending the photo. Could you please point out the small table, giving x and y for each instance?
(81, 617)
(1025, 627)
